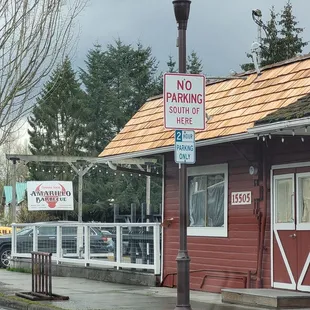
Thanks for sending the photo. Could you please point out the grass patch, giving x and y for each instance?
(19, 269)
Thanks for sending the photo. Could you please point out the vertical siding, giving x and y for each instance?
(237, 252)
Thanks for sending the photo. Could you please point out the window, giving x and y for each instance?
(207, 200)
(303, 201)
(47, 231)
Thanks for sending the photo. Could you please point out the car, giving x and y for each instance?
(47, 241)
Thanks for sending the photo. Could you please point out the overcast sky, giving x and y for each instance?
(220, 31)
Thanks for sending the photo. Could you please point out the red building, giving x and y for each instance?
(249, 191)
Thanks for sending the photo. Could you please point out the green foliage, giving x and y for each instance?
(171, 65)
(291, 43)
(118, 80)
(194, 64)
(282, 40)
(56, 124)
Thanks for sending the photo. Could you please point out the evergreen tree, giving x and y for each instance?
(131, 80)
(279, 45)
(55, 123)
(117, 80)
(194, 64)
(56, 127)
(291, 43)
(97, 113)
(171, 65)
(270, 51)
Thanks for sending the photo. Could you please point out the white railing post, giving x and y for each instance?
(35, 238)
(118, 246)
(156, 240)
(14, 241)
(87, 245)
(59, 244)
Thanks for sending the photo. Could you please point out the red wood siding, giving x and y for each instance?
(238, 252)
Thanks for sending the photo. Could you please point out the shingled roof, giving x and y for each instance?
(300, 109)
(234, 107)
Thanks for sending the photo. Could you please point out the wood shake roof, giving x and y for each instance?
(234, 107)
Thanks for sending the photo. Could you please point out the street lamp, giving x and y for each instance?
(181, 11)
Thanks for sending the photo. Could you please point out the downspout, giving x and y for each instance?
(259, 281)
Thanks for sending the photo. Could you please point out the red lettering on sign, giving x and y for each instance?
(184, 120)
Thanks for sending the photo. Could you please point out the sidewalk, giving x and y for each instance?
(88, 294)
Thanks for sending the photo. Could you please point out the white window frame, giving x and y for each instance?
(283, 226)
(211, 231)
(300, 225)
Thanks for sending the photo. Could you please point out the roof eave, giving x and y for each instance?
(170, 148)
(277, 126)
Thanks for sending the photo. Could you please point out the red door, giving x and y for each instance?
(291, 231)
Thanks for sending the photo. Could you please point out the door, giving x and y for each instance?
(284, 233)
(291, 230)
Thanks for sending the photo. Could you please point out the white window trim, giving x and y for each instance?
(283, 226)
(300, 225)
(211, 231)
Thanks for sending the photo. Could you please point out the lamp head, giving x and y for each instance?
(181, 12)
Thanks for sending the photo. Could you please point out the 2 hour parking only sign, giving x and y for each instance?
(184, 147)
(184, 101)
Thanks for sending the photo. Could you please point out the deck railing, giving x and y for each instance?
(119, 245)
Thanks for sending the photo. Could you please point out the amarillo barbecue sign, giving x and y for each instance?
(49, 195)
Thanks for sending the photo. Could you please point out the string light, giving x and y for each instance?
(293, 132)
(257, 137)
(302, 139)
(263, 138)
(282, 140)
(270, 136)
(99, 170)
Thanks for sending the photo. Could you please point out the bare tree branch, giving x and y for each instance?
(34, 35)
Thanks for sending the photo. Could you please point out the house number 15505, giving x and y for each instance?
(241, 198)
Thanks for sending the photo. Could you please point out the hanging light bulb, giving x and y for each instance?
(99, 170)
(270, 136)
(49, 171)
(42, 170)
(63, 171)
(131, 174)
(263, 138)
(107, 172)
(114, 173)
(293, 132)
(282, 140)
(139, 175)
(123, 175)
(71, 170)
(36, 169)
(302, 139)
(257, 137)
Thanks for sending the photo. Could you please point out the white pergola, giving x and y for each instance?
(75, 162)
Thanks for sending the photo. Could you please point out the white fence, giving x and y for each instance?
(119, 245)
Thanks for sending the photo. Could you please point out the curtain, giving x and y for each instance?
(206, 201)
(304, 207)
(284, 201)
